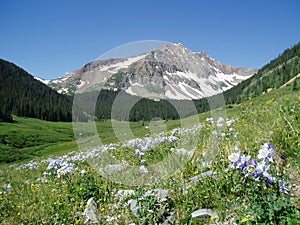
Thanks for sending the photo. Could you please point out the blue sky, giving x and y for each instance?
(49, 38)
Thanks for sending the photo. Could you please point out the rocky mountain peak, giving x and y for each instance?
(171, 71)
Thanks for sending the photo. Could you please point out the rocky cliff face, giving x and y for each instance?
(172, 71)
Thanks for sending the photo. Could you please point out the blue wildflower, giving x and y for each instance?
(266, 153)
(243, 163)
(234, 159)
(251, 167)
(285, 186)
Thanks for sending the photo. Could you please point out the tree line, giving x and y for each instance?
(22, 95)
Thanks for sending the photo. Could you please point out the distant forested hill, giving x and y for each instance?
(271, 76)
(22, 95)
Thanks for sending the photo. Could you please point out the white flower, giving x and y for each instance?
(229, 123)
(263, 153)
(234, 157)
(83, 172)
(143, 169)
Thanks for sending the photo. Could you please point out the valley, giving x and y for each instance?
(36, 191)
(233, 160)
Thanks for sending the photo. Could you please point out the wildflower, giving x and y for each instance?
(243, 162)
(262, 170)
(220, 122)
(229, 122)
(210, 119)
(251, 167)
(139, 153)
(110, 218)
(234, 159)
(143, 169)
(82, 172)
(245, 219)
(9, 187)
(66, 169)
(266, 152)
(285, 186)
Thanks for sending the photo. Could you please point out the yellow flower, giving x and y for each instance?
(212, 218)
(196, 172)
(245, 219)
(102, 209)
(19, 213)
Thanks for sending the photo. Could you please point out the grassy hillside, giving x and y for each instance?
(27, 138)
(42, 193)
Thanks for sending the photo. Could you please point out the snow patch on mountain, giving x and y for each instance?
(171, 71)
(42, 80)
(114, 68)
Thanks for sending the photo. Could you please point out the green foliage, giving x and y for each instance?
(272, 76)
(270, 208)
(22, 95)
(271, 117)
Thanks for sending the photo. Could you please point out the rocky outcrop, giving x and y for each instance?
(171, 71)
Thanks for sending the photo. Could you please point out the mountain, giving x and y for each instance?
(169, 72)
(22, 95)
(277, 73)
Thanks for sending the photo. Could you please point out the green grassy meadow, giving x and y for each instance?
(28, 196)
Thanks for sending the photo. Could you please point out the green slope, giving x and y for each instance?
(22, 95)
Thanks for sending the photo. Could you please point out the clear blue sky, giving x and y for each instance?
(50, 37)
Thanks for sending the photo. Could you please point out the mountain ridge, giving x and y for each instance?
(169, 72)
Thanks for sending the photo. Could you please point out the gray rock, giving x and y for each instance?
(91, 212)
